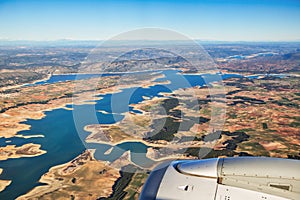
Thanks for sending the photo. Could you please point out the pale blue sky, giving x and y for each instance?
(252, 20)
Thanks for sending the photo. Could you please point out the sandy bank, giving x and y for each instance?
(26, 150)
(4, 183)
(82, 177)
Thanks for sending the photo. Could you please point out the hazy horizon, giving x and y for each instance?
(196, 40)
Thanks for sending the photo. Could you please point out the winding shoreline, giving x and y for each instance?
(112, 90)
(24, 84)
(4, 183)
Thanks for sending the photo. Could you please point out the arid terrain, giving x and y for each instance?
(259, 116)
(253, 111)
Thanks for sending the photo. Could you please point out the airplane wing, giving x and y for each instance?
(251, 178)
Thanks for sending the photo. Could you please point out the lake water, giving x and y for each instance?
(64, 139)
(72, 77)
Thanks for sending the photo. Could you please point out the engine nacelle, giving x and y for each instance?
(237, 178)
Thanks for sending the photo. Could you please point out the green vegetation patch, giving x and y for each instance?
(285, 102)
(211, 153)
(255, 148)
(136, 183)
(295, 124)
(119, 192)
(168, 104)
(264, 126)
(170, 127)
